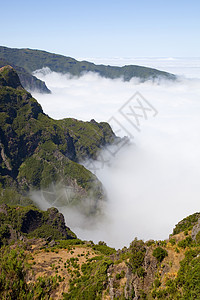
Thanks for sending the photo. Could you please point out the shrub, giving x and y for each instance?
(160, 253)
(187, 242)
(186, 224)
(172, 241)
(137, 254)
(157, 283)
(104, 249)
(120, 275)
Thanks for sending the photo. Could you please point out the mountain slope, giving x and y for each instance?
(56, 265)
(29, 82)
(37, 151)
(32, 60)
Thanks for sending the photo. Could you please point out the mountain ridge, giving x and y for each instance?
(31, 60)
(36, 151)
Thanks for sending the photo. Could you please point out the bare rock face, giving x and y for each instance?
(126, 283)
(195, 230)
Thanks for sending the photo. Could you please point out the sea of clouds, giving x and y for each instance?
(153, 182)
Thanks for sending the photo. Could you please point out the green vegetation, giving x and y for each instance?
(31, 222)
(32, 60)
(120, 275)
(37, 151)
(13, 285)
(172, 241)
(160, 253)
(132, 271)
(12, 197)
(137, 254)
(187, 242)
(187, 283)
(91, 285)
(104, 249)
(186, 224)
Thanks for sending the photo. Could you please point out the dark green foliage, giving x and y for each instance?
(150, 242)
(187, 284)
(157, 283)
(12, 197)
(12, 274)
(89, 286)
(160, 253)
(4, 234)
(32, 171)
(66, 243)
(32, 60)
(187, 242)
(172, 242)
(43, 288)
(104, 249)
(45, 231)
(198, 238)
(143, 295)
(13, 286)
(141, 272)
(137, 254)
(186, 224)
(120, 275)
(188, 275)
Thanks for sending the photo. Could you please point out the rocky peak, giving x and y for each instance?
(9, 77)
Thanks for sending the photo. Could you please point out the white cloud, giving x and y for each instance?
(153, 183)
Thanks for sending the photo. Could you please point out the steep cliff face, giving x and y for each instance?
(37, 151)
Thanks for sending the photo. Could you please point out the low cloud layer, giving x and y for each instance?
(152, 183)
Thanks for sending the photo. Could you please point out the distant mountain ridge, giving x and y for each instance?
(32, 60)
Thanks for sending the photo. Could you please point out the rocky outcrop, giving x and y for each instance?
(27, 221)
(9, 77)
(195, 230)
(28, 81)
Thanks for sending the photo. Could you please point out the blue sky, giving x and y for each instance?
(103, 28)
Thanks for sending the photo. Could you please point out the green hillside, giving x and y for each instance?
(41, 258)
(37, 150)
(32, 60)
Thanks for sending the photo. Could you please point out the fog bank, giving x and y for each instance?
(152, 183)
